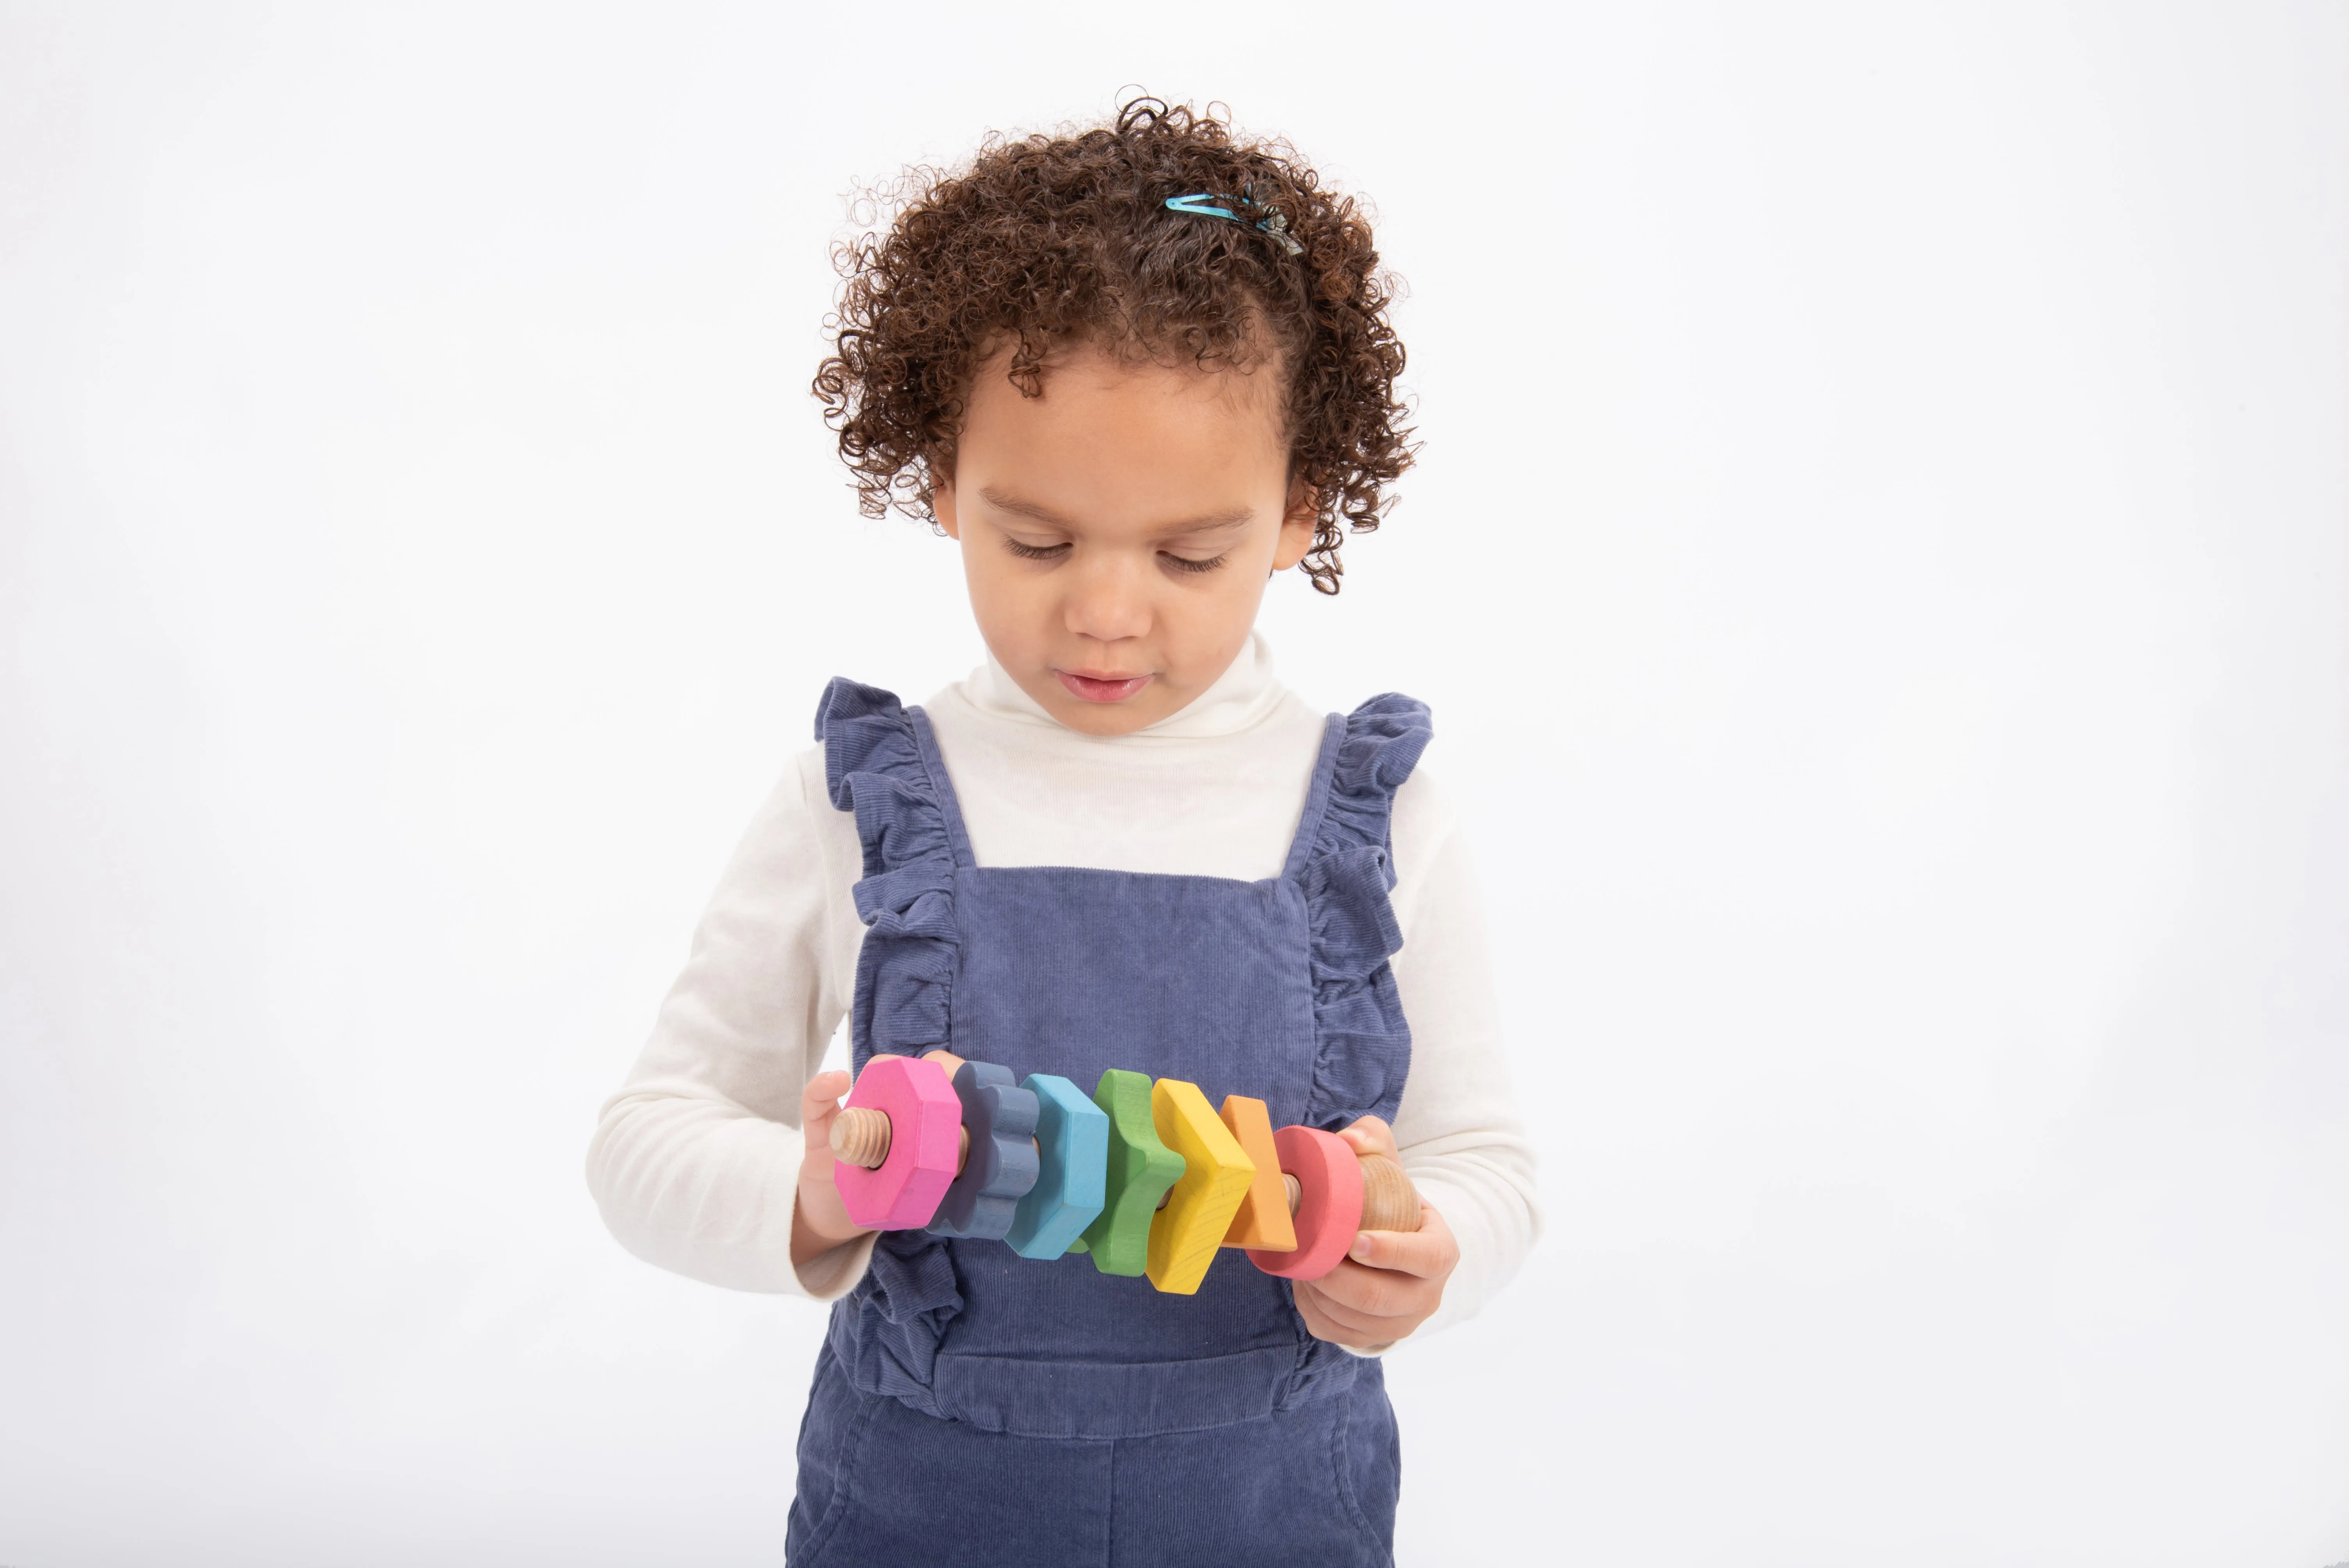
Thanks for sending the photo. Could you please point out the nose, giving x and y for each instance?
(1108, 599)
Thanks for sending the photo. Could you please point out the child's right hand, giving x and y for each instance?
(819, 1219)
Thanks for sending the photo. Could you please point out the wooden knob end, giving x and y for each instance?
(861, 1136)
(1390, 1203)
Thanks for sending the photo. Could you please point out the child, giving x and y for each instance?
(1132, 372)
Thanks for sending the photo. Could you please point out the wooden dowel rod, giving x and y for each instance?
(860, 1135)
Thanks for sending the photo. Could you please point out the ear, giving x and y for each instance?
(1297, 525)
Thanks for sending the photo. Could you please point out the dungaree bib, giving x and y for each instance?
(972, 1406)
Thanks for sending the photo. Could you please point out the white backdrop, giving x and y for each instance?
(1878, 565)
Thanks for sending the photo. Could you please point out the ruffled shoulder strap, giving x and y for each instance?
(881, 762)
(1366, 755)
(1344, 862)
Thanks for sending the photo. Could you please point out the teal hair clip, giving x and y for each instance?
(1276, 223)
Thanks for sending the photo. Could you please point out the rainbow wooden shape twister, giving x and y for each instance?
(925, 1141)
(1002, 1166)
(1215, 1176)
(1140, 1171)
(1072, 1151)
(1143, 1176)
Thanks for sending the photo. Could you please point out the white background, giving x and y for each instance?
(1877, 563)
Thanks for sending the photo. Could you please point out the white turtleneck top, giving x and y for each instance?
(695, 1162)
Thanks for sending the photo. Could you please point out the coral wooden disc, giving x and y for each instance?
(1329, 1206)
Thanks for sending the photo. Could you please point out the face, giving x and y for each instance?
(1118, 530)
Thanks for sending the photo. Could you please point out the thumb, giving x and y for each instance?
(1371, 1135)
(820, 1101)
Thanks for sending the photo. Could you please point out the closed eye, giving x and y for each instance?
(1035, 552)
(1184, 564)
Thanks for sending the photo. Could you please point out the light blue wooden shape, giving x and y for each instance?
(1072, 1143)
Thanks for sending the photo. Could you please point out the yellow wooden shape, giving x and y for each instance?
(1215, 1175)
(1262, 1220)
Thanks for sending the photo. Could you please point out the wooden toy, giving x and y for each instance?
(1140, 1171)
(1153, 1179)
(1072, 1148)
(1332, 1184)
(1001, 1166)
(1216, 1173)
(1262, 1220)
(894, 1181)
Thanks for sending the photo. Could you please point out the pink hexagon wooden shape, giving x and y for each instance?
(1329, 1204)
(924, 1144)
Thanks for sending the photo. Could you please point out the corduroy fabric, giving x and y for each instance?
(976, 1360)
(881, 1485)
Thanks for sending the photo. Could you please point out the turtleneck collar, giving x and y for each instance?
(1242, 696)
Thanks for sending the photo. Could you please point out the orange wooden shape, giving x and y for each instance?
(1262, 1220)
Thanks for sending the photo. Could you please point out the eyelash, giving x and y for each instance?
(1054, 552)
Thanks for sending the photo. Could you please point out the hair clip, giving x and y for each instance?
(1277, 226)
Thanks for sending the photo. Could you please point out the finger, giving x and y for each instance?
(1328, 1322)
(1377, 1292)
(1367, 1327)
(1322, 1325)
(1431, 1251)
(1345, 1312)
(1370, 1135)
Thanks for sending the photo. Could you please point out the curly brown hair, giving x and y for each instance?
(1052, 238)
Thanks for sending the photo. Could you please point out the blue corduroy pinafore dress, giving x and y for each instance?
(971, 1406)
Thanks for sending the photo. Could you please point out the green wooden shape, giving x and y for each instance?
(1141, 1169)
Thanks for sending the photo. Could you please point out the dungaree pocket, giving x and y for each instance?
(1365, 1458)
(832, 1437)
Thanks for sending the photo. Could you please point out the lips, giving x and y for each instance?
(1104, 687)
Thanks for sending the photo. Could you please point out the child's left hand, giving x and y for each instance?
(1392, 1282)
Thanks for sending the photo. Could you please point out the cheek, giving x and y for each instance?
(1005, 600)
(1202, 631)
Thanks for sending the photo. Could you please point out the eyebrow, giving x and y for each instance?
(1206, 523)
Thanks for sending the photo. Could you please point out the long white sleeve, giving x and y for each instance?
(695, 1162)
(1457, 1127)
